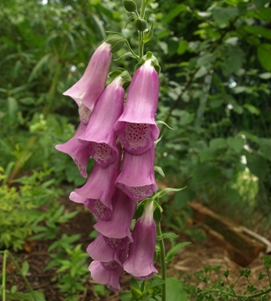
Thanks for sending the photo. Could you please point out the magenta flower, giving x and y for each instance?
(100, 184)
(99, 250)
(99, 134)
(119, 224)
(140, 259)
(90, 86)
(136, 126)
(137, 176)
(99, 210)
(106, 273)
(77, 150)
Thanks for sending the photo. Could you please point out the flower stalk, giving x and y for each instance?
(162, 260)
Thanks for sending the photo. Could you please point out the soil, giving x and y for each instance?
(191, 259)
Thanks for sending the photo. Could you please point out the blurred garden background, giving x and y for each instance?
(215, 59)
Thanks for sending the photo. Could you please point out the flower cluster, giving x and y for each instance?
(120, 138)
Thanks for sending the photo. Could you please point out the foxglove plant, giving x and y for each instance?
(121, 178)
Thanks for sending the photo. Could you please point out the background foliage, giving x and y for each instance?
(215, 94)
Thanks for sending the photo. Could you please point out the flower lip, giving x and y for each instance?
(137, 176)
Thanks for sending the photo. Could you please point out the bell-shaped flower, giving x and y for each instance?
(90, 86)
(100, 184)
(136, 127)
(99, 134)
(140, 258)
(99, 210)
(99, 250)
(77, 150)
(137, 176)
(108, 274)
(119, 224)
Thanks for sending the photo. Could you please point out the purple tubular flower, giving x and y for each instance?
(90, 86)
(99, 134)
(122, 215)
(140, 259)
(100, 251)
(106, 274)
(99, 210)
(100, 184)
(137, 176)
(77, 150)
(136, 127)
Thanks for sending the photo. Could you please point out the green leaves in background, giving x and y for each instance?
(264, 52)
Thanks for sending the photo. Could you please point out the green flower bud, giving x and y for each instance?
(136, 293)
(129, 5)
(141, 24)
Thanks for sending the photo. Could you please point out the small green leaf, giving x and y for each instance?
(218, 143)
(236, 143)
(25, 268)
(165, 191)
(173, 251)
(175, 290)
(263, 52)
(159, 170)
(170, 235)
(257, 164)
(162, 122)
(174, 13)
(223, 14)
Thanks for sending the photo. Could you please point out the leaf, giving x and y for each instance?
(173, 251)
(166, 190)
(174, 13)
(265, 75)
(183, 46)
(236, 143)
(207, 154)
(205, 172)
(40, 66)
(257, 164)
(201, 72)
(25, 268)
(175, 290)
(218, 143)
(205, 59)
(126, 296)
(260, 3)
(252, 109)
(223, 14)
(162, 122)
(259, 31)
(170, 235)
(186, 118)
(264, 51)
(265, 146)
(159, 170)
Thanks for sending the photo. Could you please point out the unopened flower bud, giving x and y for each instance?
(141, 24)
(129, 5)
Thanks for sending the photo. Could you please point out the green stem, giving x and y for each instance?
(131, 50)
(23, 276)
(4, 276)
(162, 260)
(140, 34)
